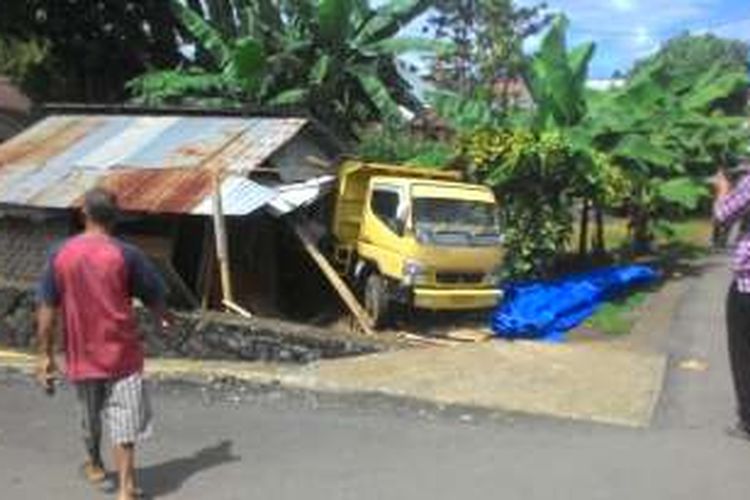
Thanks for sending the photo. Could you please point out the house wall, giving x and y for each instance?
(293, 162)
(10, 125)
(25, 240)
(15, 109)
(253, 262)
(272, 274)
(175, 244)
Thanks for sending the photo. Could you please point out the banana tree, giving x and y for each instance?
(19, 57)
(663, 133)
(336, 58)
(556, 79)
(666, 136)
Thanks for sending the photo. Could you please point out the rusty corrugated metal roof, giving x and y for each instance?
(159, 164)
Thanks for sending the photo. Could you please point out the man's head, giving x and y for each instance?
(100, 208)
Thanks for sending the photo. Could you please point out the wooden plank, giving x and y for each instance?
(237, 309)
(469, 335)
(206, 267)
(433, 341)
(222, 246)
(363, 319)
(174, 279)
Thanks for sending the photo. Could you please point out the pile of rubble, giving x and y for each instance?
(216, 336)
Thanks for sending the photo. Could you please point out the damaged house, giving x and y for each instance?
(180, 181)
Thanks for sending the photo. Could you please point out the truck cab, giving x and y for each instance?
(417, 237)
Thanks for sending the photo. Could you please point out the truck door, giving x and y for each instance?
(386, 215)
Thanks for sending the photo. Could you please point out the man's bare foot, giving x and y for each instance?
(94, 473)
(131, 494)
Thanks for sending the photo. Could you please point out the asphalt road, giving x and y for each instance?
(233, 442)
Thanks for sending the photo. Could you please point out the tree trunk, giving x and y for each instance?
(640, 231)
(599, 243)
(583, 237)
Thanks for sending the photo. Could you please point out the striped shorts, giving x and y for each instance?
(123, 404)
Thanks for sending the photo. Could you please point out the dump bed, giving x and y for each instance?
(351, 193)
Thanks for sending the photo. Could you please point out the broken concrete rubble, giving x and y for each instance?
(215, 337)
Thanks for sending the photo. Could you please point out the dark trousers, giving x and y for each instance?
(738, 328)
(92, 395)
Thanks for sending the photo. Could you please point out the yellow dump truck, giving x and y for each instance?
(417, 237)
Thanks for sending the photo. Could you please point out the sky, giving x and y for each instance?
(628, 30)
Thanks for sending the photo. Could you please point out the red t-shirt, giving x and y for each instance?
(93, 279)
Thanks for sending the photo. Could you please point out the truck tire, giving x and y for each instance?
(377, 301)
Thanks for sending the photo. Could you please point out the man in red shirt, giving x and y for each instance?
(91, 280)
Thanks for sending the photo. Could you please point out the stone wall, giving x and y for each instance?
(220, 337)
(25, 242)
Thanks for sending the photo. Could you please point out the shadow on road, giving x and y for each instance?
(168, 477)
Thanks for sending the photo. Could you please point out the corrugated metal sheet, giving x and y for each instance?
(154, 163)
(290, 197)
(239, 196)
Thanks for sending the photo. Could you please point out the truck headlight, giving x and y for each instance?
(415, 273)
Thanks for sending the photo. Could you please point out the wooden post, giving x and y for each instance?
(237, 309)
(363, 319)
(206, 267)
(600, 247)
(583, 237)
(222, 245)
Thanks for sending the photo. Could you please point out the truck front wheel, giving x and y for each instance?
(377, 301)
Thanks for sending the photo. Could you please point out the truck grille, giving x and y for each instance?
(456, 278)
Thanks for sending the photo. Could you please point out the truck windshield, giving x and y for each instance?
(442, 221)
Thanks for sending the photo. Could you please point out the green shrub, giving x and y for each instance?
(391, 144)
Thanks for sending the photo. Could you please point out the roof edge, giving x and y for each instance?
(137, 109)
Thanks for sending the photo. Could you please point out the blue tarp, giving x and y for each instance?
(547, 310)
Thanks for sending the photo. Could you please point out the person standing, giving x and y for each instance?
(730, 205)
(89, 281)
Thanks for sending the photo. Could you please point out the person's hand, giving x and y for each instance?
(46, 371)
(721, 183)
(164, 320)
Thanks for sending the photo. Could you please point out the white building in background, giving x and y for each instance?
(605, 83)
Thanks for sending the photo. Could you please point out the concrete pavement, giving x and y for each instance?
(587, 382)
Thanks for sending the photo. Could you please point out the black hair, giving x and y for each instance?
(100, 206)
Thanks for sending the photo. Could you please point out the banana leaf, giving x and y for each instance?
(639, 148)
(334, 21)
(247, 63)
(391, 18)
(203, 32)
(683, 191)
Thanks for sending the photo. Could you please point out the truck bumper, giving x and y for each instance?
(442, 299)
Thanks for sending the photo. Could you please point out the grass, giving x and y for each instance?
(617, 317)
(685, 241)
(695, 232)
(690, 232)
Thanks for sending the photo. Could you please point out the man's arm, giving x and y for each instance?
(46, 322)
(730, 203)
(48, 298)
(147, 285)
